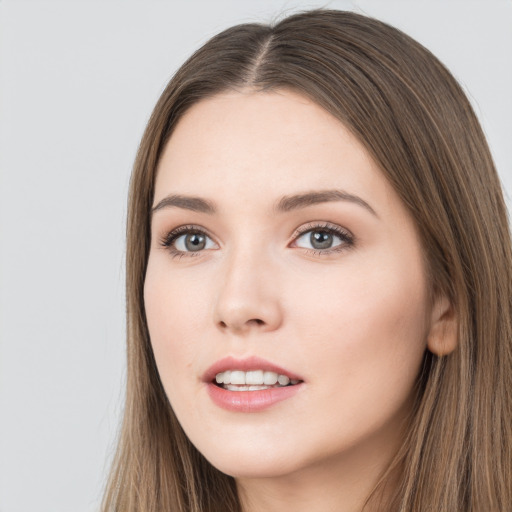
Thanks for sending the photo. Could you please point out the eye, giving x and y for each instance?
(188, 240)
(326, 238)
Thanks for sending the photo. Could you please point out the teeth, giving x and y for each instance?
(255, 377)
(270, 378)
(232, 387)
(283, 380)
(237, 377)
(259, 379)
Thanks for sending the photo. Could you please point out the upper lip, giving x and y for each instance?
(246, 364)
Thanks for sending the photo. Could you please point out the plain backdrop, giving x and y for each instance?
(78, 81)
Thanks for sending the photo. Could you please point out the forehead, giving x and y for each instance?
(247, 144)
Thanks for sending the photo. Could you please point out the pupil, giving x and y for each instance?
(195, 242)
(321, 239)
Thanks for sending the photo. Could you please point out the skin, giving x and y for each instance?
(353, 323)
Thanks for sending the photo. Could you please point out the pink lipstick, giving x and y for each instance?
(249, 385)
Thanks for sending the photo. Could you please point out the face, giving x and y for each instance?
(280, 251)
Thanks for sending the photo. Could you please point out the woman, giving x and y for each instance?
(318, 276)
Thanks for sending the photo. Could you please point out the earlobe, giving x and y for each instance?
(443, 334)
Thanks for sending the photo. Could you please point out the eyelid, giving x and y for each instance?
(347, 238)
(168, 239)
(321, 225)
(344, 234)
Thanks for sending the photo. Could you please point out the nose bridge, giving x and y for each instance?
(248, 297)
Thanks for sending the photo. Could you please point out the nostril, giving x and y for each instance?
(252, 321)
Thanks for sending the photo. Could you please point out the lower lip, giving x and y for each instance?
(250, 401)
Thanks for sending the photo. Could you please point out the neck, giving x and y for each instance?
(336, 485)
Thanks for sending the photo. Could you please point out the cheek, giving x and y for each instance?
(175, 312)
(367, 324)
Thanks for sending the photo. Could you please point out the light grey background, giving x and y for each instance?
(77, 83)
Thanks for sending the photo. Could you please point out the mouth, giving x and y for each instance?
(250, 385)
(253, 380)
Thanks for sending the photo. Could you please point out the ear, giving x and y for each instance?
(443, 334)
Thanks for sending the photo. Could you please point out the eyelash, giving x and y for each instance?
(168, 240)
(347, 239)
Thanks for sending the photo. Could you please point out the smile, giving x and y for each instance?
(249, 385)
(254, 380)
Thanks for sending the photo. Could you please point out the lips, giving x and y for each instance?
(239, 378)
(246, 365)
(247, 396)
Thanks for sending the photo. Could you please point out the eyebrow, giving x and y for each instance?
(196, 204)
(285, 204)
(297, 201)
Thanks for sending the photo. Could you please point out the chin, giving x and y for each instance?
(241, 468)
(253, 461)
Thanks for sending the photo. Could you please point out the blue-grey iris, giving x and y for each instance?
(195, 242)
(321, 239)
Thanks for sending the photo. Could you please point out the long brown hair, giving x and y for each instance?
(414, 119)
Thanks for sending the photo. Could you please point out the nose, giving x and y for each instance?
(248, 296)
